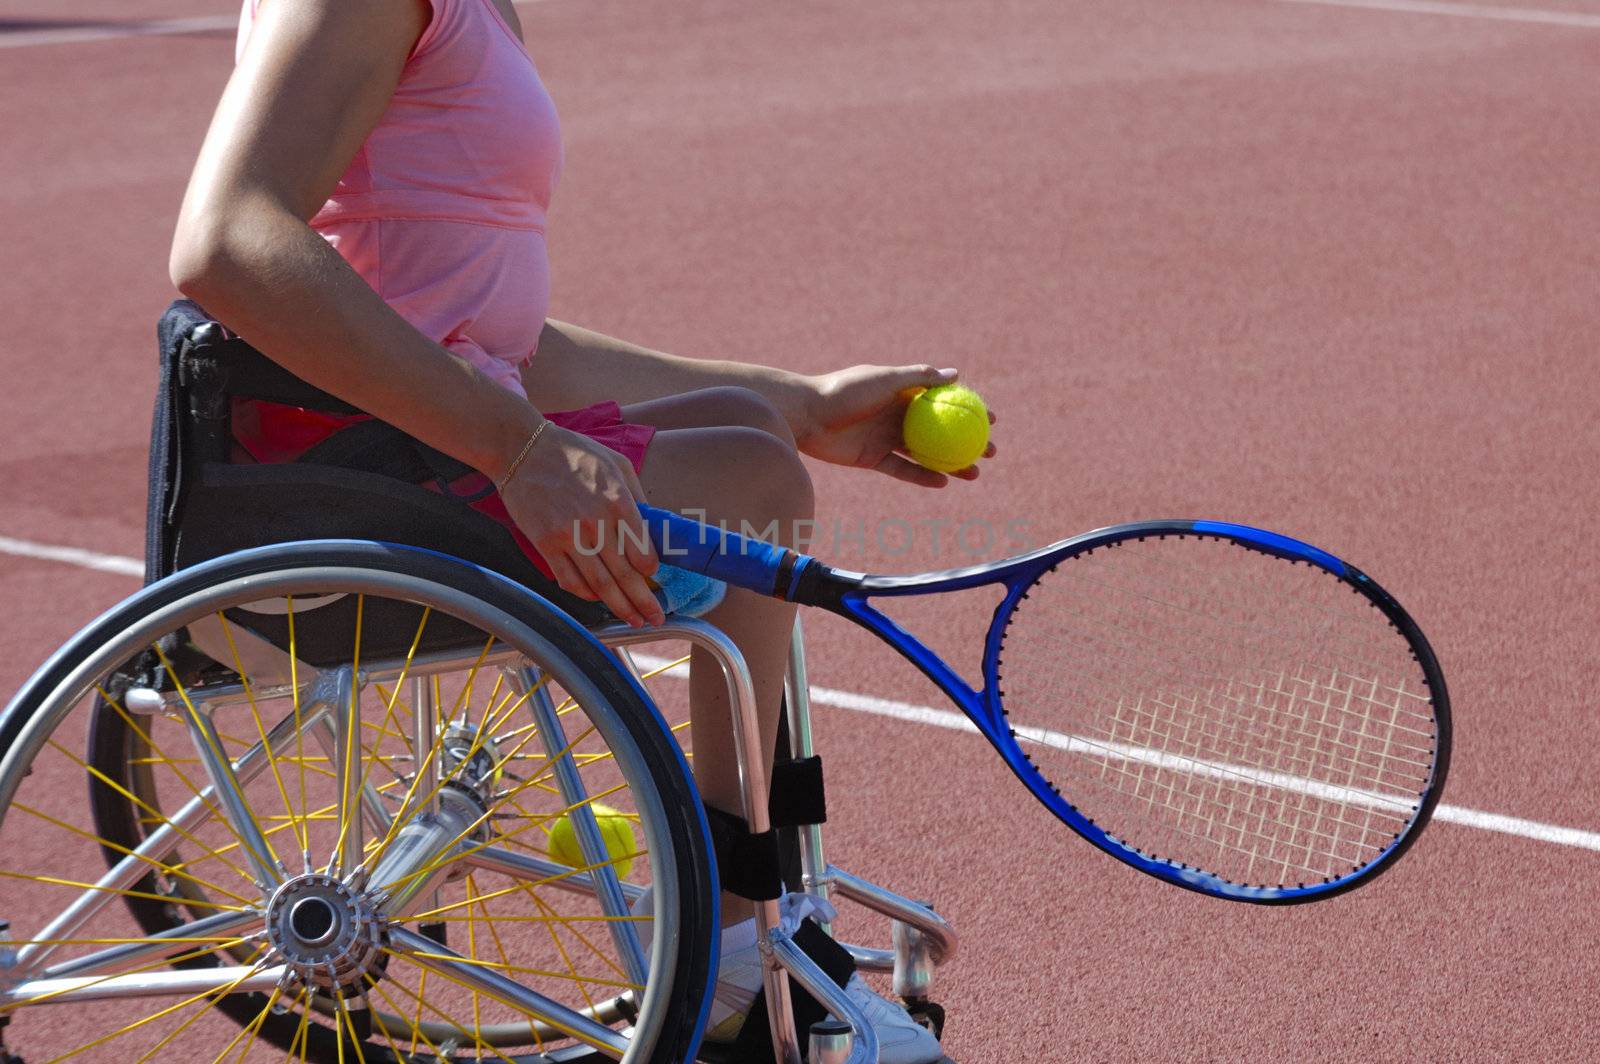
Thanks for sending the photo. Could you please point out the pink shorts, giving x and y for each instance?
(272, 433)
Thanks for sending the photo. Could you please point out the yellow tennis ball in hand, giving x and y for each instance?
(616, 830)
(946, 428)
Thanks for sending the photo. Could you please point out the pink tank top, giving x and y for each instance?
(442, 211)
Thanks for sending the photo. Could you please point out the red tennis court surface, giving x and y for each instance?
(1326, 268)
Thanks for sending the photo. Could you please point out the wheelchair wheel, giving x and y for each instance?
(347, 802)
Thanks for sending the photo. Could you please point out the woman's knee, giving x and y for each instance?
(768, 472)
(745, 407)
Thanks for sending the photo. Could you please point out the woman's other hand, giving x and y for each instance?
(854, 416)
(577, 501)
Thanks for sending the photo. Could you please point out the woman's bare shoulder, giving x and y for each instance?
(366, 25)
(314, 78)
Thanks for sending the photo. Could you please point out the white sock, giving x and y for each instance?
(739, 936)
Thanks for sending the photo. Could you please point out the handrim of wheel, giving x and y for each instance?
(335, 938)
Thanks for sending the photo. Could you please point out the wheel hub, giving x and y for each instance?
(327, 934)
(473, 758)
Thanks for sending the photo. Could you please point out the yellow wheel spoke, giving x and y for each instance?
(418, 997)
(164, 962)
(224, 763)
(489, 708)
(406, 805)
(450, 857)
(214, 997)
(349, 1025)
(252, 1030)
(604, 957)
(472, 951)
(302, 1035)
(465, 697)
(261, 729)
(119, 891)
(572, 971)
(388, 715)
(476, 1037)
(161, 818)
(148, 740)
(543, 973)
(299, 723)
(350, 801)
(324, 813)
(422, 979)
(489, 920)
(668, 667)
(108, 844)
(383, 1029)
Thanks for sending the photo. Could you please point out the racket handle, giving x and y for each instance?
(723, 555)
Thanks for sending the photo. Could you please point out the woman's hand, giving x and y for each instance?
(853, 418)
(577, 501)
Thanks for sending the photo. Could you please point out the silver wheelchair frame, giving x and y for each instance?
(921, 938)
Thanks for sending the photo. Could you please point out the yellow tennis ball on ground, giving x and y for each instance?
(946, 428)
(616, 830)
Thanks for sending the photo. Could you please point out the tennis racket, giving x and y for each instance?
(1227, 709)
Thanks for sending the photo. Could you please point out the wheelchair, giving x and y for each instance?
(364, 785)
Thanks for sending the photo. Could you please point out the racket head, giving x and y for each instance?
(1250, 717)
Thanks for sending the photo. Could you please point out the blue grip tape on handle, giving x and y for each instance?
(719, 553)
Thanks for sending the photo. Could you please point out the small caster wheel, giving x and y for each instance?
(929, 1015)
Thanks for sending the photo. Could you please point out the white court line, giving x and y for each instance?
(86, 559)
(912, 713)
(110, 31)
(1480, 11)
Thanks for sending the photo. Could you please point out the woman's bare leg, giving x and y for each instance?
(734, 473)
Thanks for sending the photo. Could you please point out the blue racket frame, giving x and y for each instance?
(772, 570)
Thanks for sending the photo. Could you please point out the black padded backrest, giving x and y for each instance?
(203, 505)
(222, 363)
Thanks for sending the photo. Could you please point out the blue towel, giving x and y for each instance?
(686, 593)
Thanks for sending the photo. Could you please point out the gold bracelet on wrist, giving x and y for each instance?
(516, 463)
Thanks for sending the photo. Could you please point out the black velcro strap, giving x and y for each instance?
(754, 1044)
(747, 864)
(797, 794)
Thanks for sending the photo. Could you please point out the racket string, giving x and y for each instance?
(1116, 656)
(1242, 777)
(1230, 628)
(1251, 718)
(1258, 729)
(1422, 715)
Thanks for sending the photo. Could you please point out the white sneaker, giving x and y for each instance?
(901, 1040)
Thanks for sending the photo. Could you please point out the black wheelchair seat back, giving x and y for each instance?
(365, 482)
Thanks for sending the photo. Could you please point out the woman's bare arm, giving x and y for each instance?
(576, 367)
(848, 417)
(314, 81)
